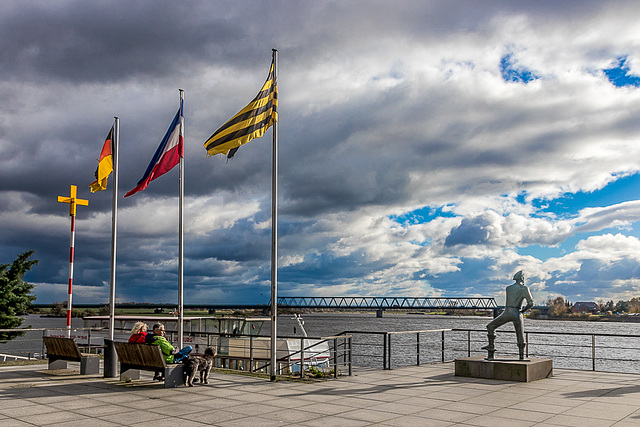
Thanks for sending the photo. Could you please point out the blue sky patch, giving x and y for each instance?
(621, 190)
(422, 215)
(619, 74)
(544, 253)
(512, 72)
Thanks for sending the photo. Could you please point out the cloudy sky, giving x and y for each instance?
(427, 148)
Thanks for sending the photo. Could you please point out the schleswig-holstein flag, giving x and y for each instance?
(168, 154)
(105, 165)
(250, 122)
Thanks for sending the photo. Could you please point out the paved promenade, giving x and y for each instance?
(428, 395)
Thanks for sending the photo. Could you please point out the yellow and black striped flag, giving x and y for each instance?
(249, 123)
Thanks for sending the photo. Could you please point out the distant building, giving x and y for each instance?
(584, 307)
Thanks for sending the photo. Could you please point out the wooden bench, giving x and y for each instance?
(61, 350)
(134, 357)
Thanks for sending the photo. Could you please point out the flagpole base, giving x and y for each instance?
(110, 360)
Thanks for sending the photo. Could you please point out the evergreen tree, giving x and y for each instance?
(15, 294)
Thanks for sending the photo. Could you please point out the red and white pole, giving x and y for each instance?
(73, 238)
(73, 201)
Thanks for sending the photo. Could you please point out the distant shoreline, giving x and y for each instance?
(619, 319)
(462, 313)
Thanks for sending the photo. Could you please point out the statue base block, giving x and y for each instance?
(504, 369)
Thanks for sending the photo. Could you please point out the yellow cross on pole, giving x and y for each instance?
(73, 201)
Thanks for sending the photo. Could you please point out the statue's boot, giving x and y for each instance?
(521, 351)
(490, 346)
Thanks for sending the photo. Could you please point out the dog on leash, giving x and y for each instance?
(196, 363)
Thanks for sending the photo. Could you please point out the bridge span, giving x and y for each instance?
(388, 303)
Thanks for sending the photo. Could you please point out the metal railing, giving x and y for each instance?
(390, 342)
(385, 349)
(574, 350)
(317, 356)
(37, 349)
(30, 356)
(335, 353)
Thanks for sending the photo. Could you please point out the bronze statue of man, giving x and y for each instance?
(516, 294)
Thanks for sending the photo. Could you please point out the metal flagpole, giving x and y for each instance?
(181, 233)
(115, 149)
(274, 235)
(110, 359)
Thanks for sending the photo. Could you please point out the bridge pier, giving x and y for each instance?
(379, 312)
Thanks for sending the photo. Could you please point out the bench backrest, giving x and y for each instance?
(140, 354)
(64, 347)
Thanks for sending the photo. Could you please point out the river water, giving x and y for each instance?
(568, 343)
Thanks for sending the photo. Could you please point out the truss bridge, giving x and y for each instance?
(388, 303)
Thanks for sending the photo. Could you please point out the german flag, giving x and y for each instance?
(105, 165)
(249, 123)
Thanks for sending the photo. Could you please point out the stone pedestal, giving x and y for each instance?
(504, 369)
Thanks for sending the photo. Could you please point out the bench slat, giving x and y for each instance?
(140, 355)
(63, 348)
(136, 356)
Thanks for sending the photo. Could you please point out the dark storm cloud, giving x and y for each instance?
(225, 244)
(110, 41)
(385, 107)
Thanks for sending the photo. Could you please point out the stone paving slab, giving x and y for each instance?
(421, 395)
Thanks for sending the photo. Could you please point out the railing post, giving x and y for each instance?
(593, 352)
(526, 346)
(251, 353)
(389, 338)
(418, 348)
(442, 350)
(384, 351)
(335, 354)
(344, 352)
(350, 355)
(301, 357)
(468, 343)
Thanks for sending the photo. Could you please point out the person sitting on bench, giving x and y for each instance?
(169, 353)
(139, 333)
